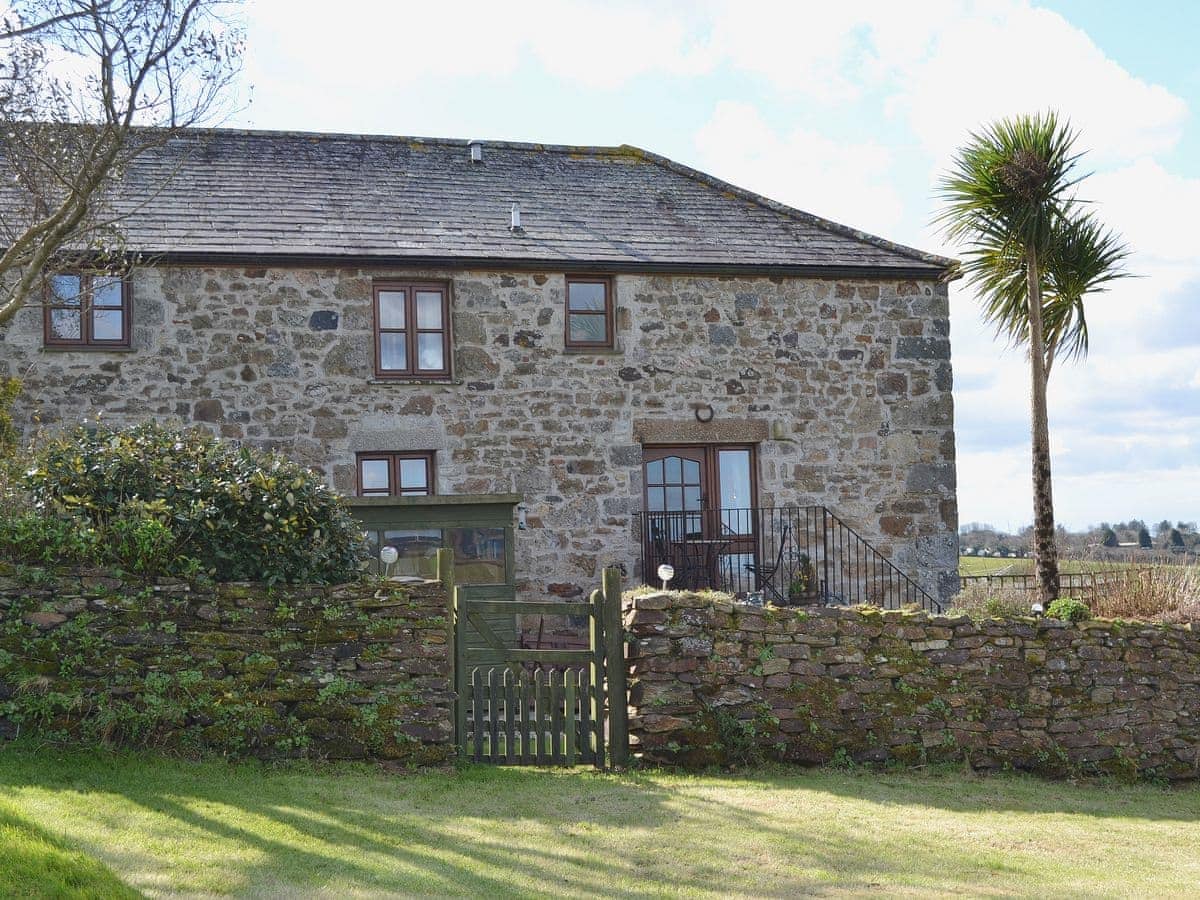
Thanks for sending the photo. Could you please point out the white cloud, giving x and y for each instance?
(851, 183)
(605, 45)
(995, 487)
(597, 45)
(1155, 211)
(820, 51)
(944, 68)
(1007, 58)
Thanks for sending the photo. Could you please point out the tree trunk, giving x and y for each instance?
(1045, 552)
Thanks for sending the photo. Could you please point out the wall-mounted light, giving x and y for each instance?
(665, 574)
(704, 412)
(522, 516)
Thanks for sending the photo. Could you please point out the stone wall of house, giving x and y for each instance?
(712, 681)
(844, 385)
(347, 672)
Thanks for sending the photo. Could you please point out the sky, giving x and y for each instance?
(850, 111)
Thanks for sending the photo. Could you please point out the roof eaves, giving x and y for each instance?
(501, 262)
(933, 261)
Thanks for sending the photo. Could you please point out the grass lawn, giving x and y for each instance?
(73, 824)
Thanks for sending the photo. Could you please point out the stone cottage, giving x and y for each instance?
(600, 331)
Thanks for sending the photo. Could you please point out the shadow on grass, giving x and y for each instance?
(34, 863)
(322, 825)
(497, 831)
(953, 790)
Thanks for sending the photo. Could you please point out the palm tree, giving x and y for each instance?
(1033, 254)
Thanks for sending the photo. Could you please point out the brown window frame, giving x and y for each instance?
(710, 468)
(411, 331)
(609, 341)
(395, 489)
(86, 339)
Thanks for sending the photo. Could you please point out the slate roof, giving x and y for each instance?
(306, 196)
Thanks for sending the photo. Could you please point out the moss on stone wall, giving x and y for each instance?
(352, 671)
(717, 682)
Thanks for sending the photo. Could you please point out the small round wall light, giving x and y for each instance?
(665, 574)
(704, 412)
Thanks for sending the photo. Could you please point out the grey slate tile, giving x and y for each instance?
(286, 194)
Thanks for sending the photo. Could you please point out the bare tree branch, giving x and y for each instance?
(11, 29)
(86, 88)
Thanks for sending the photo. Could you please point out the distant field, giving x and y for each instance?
(984, 565)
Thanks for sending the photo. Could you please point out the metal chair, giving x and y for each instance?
(691, 560)
(764, 573)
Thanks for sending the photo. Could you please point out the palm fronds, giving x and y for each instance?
(1010, 182)
(1009, 191)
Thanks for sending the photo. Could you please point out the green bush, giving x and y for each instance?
(47, 539)
(164, 501)
(1069, 609)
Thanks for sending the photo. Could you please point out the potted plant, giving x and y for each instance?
(803, 586)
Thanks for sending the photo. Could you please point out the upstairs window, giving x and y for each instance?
(412, 330)
(589, 312)
(395, 475)
(87, 310)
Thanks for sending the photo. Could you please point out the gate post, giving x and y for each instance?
(614, 642)
(599, 652)
(445, 574)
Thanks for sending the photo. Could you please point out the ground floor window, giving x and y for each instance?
(395, 475)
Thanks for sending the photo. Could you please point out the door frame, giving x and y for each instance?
(710, 478)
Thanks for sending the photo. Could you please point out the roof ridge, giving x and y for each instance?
(791, 211)
(599, 149)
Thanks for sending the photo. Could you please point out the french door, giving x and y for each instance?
(699, 506)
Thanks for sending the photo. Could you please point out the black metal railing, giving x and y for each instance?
(792, 555)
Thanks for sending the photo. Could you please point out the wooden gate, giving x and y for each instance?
(523, 706)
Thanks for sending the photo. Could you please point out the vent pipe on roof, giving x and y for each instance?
(476, 149)
(516, 218)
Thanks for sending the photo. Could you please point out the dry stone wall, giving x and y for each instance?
(718, 682)
(347, 672)
(844, 385)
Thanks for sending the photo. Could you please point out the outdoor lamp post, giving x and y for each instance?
(388, 556)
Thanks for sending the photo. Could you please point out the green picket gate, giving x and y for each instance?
(523, 706)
